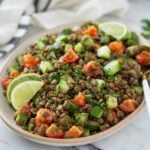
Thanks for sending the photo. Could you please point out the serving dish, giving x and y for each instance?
(6, 112)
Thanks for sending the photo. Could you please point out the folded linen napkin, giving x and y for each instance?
(15, 15)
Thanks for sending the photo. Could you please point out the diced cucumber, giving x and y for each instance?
(81, 118)
(52, 54)
(39, 45)
(138, 89)
(93, 126)
(79, 48)
(104, 52)
(31, 127)
(104, 39)
(68, 46)
(60, 40)
(97, 112)
(40, 56)
(87, 41)
(112, 68)
(20, 59)
(100, 83)
(71, 107)
(12, 68)
(45, 66)
(111, 102)
(86, 132)
(21, 119)
(66, 31)
(63, 86)
(89, 97)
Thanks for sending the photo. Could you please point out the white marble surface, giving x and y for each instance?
(135, 136)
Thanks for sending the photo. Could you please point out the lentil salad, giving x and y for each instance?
(91, 82)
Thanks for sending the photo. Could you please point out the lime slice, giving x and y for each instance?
(24, 92)
(20, 79)
(115, 29)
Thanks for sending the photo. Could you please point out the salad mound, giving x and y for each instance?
(78, 82)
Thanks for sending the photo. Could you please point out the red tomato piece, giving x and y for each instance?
(54, 132)
(43, 116)
(14, 74)
(30, 61)
(70, 56)
(79, 100)
(92, 31)
(5, 82)
(143, 58)
(74, 132)
(128, 105)
(117, 47)
(91, 68)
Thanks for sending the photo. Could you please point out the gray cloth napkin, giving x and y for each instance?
(15, 15)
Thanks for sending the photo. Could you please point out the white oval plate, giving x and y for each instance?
(7, 113)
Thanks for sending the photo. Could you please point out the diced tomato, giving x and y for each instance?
(74, 132)
(54, 132)
(70, 56)
(91, 68)
(30, 61)
(79, 100)
(5, 82)
(128, 105)
(117, 47)
(44, 116)
(143, 58)
(92, 31)
(14, 74)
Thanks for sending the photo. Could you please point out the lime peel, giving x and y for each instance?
(115, 29)
(24, 92)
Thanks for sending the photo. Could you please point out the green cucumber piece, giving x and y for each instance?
(138, 89)
(68, 46)
(87, 41)
(112, 68)
(104, 52)
(81, 118)
(86, 132)
(66, 31)
(39, 45)
(60, 41)
(93, 126)
(79, 48)
(21, 119)
(112, 102)
(89, 97)
(46, 66)
(100, 83)
(97, 112)
(31, 127)
(63, 86)
(71, 107)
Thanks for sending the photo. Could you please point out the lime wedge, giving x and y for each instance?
(20, 79)
(114, 29)
(24, 92)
